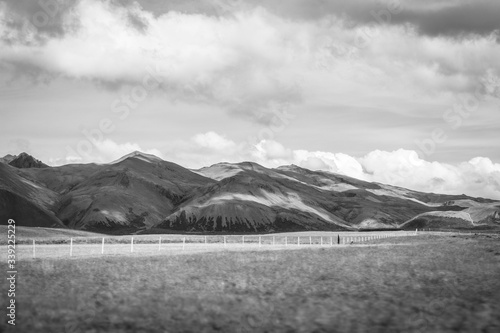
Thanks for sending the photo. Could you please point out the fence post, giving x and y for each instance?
(71, 247)
(205, 239)
(183, 243)
(102, 247)
(321, 241)
(159, 244)
(224, 241)
(260, 244)
(34, 253)
(310, 240)
(132, 244)
(331, 240)
(273, 240)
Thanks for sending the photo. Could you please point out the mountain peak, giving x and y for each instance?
(24, 160)
(7, 158)
(140, 156)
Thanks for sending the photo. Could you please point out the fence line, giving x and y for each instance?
(94, 246)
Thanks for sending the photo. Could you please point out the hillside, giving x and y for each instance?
(141, 192)
(29, 203)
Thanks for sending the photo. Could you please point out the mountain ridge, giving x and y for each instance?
(143, 193)
(22, 161)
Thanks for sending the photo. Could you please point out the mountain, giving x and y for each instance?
(480, 215)
(7, 158)
(22, 161)
(143, 193)
(27, 202)
(133, 193)
(294, 198)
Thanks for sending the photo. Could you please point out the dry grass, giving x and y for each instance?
(433, 284)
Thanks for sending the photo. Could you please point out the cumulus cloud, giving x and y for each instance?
(477, 177)
(204, 149)
(213, 141)
(35, 21)
(454, 18)
(269, 150)
(234, 62)
(246, 62)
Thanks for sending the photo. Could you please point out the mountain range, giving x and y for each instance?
(141, 193)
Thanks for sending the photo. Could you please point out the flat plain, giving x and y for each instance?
(425, 283)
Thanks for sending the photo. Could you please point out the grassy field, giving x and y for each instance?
(425, 283)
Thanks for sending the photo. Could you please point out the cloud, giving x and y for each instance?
(235, 63)
(36, 21)
(271, 150)
(454, 18)
(457, 19)
(204, 149)
(213, 141)
(330, 60)
(260, 55)
(476, 177)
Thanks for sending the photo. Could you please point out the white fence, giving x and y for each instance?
(175, 244)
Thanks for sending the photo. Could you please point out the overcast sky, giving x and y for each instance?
(403, 92)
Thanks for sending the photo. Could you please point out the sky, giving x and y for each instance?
(403, 92)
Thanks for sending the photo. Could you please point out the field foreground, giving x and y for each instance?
(426, 283)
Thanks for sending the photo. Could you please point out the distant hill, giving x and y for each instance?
(141, 192)
(23, 161)
(7, 158)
